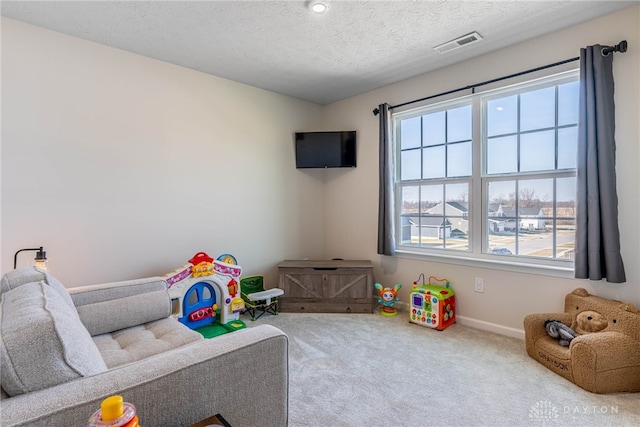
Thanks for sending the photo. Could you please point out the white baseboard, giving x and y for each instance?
(475, 323)
(490, 327)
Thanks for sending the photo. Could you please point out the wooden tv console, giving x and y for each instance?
(332, 286)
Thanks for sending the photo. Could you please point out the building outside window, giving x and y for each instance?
(491, 175)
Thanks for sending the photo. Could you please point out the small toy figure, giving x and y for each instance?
(560, 331)
(388, 297)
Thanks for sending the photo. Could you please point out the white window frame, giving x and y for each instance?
(477, 255)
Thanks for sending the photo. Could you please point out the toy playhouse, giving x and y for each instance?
(432, 305)
(205, 294)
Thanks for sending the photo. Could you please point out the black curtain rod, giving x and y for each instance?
(620, 47)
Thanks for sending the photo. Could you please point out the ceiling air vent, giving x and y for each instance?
(459, 42)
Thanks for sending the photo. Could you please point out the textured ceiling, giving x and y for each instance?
(355, 47)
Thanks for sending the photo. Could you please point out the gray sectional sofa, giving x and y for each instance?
(64, 350)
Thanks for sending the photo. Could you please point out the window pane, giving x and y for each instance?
(538, 109)
(457, 212)
(500, 215)
(459, 159)
(567, 147)
(537, 151)
(568, 95)
(459, 124)
(565, 239)
(566, 214)
(501, 241)
(501, 221)
(566, 196)
(193, 297)
(458, 238)
(433, 128)
(410, 165)
(534, 195)
(431, 197)
(410, 133)
(433, 162)
(410, 199)
(502, 116)
(432, 227)
(457, 197)
(433, 230)
(409, 214)
(501, 193)
(502, 155)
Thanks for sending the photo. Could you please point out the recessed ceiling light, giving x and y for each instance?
(317, 6)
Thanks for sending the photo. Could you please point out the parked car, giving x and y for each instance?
(501, 251)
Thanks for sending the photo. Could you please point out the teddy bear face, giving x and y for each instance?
(590, 321)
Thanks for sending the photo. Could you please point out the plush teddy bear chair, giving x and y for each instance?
(604, 357)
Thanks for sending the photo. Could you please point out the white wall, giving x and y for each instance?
(352, 201)
(122, 166)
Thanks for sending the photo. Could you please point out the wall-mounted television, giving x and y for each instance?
(326, 149)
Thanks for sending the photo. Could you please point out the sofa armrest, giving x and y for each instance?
(83, 295)
(110, 307)
(606, 362)
(606, 350)
(534, 324)
(242, 375)
(534, 328)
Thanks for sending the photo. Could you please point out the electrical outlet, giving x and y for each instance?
(479, 284)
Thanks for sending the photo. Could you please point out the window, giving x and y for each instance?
(492, 175)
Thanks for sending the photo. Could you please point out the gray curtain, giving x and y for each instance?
(597, 243)
(386, 234)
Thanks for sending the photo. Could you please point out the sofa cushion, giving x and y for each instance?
(42, 341)
(136, 343)
(22, 276)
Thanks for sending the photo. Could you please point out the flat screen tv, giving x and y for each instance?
(326, 149)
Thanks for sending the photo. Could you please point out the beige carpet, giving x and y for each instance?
(370, 370)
